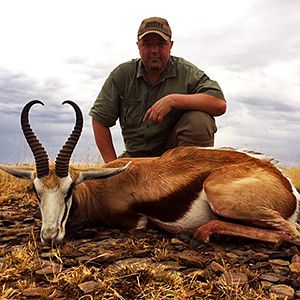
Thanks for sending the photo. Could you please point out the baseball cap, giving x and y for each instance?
(155, 25)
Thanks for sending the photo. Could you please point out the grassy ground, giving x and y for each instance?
(101, 263)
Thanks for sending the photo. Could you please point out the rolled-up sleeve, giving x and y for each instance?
(200, 83)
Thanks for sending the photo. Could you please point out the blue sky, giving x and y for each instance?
(59, 50)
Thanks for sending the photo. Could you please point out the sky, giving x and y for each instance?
(63, 50)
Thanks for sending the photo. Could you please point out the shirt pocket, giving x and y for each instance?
(131, 111)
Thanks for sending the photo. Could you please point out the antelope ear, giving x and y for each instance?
(20, 173)
(101, 173)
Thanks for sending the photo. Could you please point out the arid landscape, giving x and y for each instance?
(102, 263)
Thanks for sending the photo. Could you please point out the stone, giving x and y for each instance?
(217, 267)
(190, 258)
(36, 292)
(235, 280)
(282, 291)
(242, 253)
(266, 284)
(232, 255)
(279, 262)
(280, 270)
(49, 269)
(295, 267)
(271, 277)
(259, 256)
(296, 258)
(88, 286)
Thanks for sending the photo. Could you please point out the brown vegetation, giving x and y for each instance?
(102, 263)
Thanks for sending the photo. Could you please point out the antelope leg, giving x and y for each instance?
(226, 228)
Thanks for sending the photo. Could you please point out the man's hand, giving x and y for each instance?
(157, 112)
(202, 102)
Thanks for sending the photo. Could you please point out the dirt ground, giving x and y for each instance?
(101, 263)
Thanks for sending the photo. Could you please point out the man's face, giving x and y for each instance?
(155, 52)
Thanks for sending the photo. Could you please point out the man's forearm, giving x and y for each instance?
(104, 142)
(203, 102)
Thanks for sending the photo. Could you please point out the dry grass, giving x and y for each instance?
(294, 175)
(148, 279)
(13, 188)
(122, 281)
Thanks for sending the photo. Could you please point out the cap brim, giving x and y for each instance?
(164, 36)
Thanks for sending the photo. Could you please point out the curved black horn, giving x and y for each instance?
(64, 155)
(39, 153)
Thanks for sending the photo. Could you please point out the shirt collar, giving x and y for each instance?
(169, 72)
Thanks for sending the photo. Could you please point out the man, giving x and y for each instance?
(162, 101)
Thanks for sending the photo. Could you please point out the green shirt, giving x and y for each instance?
(127, 96)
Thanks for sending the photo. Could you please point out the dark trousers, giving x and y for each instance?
(194, 128)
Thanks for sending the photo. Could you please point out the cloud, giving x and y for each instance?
(250, 47)
(16, 89)
(256, 38)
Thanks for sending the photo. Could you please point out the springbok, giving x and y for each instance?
(202, 191)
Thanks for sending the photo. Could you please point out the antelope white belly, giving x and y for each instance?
(198, 214)
(294, 217)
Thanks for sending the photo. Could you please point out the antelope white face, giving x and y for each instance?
(55, 195)
(54, 189)
(55, 202)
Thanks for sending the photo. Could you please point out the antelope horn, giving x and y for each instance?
(39, 153)
(64, 155)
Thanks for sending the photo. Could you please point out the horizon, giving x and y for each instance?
(64, 50)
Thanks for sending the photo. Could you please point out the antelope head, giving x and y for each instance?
(54, 188)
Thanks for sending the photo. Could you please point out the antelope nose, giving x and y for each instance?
(49, 235)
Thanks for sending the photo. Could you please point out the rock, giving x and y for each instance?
(296, 258)
(232, 255)
(190, 258)
(235, 280)
(36, 292)
(88, 286)
(133, 261)
(217, 267)
(271, 277)
(83, 259)
(259, 256)
(283, 291)
(279, 262)
(295, 267)
(266, 284)
(263, 265)
(280, 270)
(70, 251)
(49, 269)
(242, 253)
